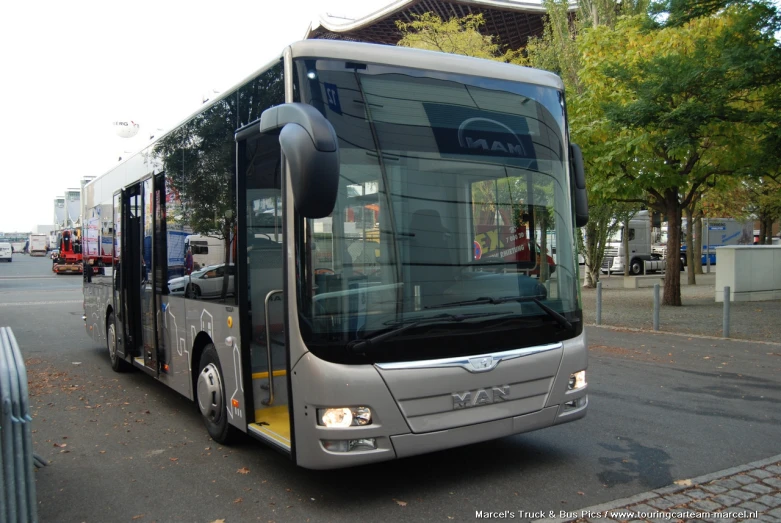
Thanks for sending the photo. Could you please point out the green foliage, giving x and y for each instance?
(686, 101)
(676, 13)
(456, 35)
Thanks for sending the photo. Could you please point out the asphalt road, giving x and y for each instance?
(125, 448)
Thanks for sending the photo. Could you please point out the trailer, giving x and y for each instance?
(715, 232)
(37, 245)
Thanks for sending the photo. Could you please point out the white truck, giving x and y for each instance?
(37, 245)
(642, 260)
(207, 250)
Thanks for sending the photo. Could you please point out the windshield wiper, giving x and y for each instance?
(560, 319)
(401, 326)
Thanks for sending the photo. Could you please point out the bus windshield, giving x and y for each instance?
(453, 225)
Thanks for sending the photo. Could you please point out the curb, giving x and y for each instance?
(663, 491)
(682, 334)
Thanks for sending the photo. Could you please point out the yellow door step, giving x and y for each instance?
(273, 424)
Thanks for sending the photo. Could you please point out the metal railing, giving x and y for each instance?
(17, 483)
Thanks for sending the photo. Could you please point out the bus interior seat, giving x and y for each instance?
(430, 256)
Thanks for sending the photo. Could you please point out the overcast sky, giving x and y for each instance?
(71, 69)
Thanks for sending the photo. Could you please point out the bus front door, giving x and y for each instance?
(262, 246)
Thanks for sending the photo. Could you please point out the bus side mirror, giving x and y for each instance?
(311, 148)
(579, 180)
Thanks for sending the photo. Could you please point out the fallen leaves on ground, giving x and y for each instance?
(400, 503)
(47, 379)
(243, 470)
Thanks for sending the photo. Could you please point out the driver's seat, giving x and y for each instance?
(430, 256)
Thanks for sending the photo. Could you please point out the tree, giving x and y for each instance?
(557, 50)
(682, 100)
(456, 35)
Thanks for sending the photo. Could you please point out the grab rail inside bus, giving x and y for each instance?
(270, 399)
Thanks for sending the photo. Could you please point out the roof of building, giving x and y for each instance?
(511, 21)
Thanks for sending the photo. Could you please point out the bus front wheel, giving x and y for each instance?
(210, 395)
(117, 363)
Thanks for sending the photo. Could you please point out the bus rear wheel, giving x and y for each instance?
(211, 398)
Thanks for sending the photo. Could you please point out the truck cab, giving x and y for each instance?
(642, 259)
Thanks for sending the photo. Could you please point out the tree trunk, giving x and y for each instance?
(544, 268)
(589, 281)
(763, 233)
(588, 254)
(690, 252)
(698, 244)
(672, 274)
(227, 257)
(625, 243)
(769, 231)
(594, 248)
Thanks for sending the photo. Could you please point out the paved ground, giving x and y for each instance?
(664, 408)
(750, 492)
(700, 314)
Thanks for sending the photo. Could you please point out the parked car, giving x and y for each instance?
(204, 283)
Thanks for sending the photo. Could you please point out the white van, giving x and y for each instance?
(6, 251)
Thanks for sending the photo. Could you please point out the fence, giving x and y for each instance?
(17, 482)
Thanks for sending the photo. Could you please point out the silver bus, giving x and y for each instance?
(399, 272)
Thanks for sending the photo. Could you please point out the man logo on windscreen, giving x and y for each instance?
(483, 135)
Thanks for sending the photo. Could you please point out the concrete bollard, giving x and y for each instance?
(599, 303)
(656, 306)
(725, 320)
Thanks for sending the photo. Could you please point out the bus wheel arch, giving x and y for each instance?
(201, 341)
(210, 396)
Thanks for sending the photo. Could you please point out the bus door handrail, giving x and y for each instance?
(270, 399)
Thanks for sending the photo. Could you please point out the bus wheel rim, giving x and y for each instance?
(210, 393)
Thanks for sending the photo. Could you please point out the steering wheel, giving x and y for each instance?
(323, 270)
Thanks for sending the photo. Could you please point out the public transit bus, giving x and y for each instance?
(351, 318)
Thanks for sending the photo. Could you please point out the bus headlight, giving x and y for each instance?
(577, 380)
(343, 417)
